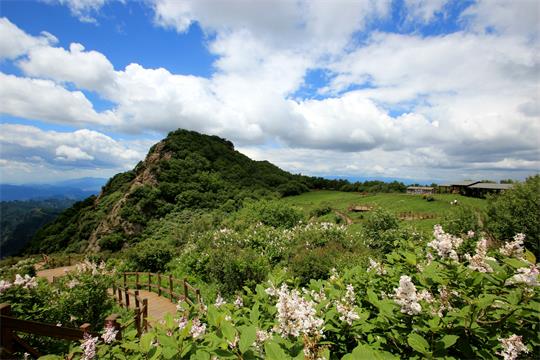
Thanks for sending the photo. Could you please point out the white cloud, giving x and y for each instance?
(424, 10)
(14, 42)
(84, 10)
(67, 150)
(87, 69)
(47, 101)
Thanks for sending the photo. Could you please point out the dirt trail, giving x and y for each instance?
(347, 219)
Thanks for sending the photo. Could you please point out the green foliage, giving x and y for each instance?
(461, 314)
(271, 213)
(112, 242)
(292, 188)
(516, 211)
(321, 210)
(150, 255)
(381, 229)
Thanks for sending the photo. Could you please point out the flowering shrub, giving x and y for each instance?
(412, 304)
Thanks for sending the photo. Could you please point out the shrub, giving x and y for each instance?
(150, 255)
(516, 211)
(112, 242)
(271, 213)
(380, 229)
(321, 210)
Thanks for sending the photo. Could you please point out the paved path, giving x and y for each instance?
(56, 272)
(158, 306)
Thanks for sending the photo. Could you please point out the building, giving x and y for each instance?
(420, 190)
(482, 189)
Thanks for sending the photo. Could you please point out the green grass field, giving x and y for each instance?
(395, 203)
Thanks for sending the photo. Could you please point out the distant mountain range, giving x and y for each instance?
(75, 189)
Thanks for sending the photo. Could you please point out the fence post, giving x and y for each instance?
(185, 289)
(112, 321)
(6, 338)
(137, 299)
(120, 297)
(159, 283)
(125, 280)
(145, 314)
(198, 293)
(138, 321)
(171, 287)
(137, 280)
(126, 291)
(85, 327)
(149, 282)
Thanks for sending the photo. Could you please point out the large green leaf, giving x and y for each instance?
(449, 340)
(418, 343)
(247, 338)
(274, 352)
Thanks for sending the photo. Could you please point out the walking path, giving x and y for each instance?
(158, 306)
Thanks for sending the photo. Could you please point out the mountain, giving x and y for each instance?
(21, 219)
(185, 171)
(76, 189)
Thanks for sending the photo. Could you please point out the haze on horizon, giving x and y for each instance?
(420, 89)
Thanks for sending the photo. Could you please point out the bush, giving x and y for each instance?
(380, 229)
(292, 188)
(516, 211)
(150, 255)
(271, 213)
(321, 210)
(316, 263)
(112, 242)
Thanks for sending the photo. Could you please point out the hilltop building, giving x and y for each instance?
(474, 188)
(420, 190)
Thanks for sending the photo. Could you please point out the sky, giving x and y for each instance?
(416, 89)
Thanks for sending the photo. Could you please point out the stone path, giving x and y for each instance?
(158, 306)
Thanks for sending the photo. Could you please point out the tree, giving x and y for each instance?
(517, 211)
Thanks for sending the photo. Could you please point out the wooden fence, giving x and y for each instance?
(140, 319)
(164, 285)
(409, 215)
(10, 326)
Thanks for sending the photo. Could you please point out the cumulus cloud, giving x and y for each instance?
(86, 69)
(84, 10)
(14, 42)
(47, 101)
(66, 150)
(465, 100)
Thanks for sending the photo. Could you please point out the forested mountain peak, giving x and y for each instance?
(186, 170)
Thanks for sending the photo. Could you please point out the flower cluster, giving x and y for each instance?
(445, 244)
(219, 301)
(198, 328)
(109, 335)
(345, 307)
(89, 347)
(527, 276)
(478, 261)
(260, 338)
(238, 302)
(296, 316)
(4, 285)
(27, 282)
(514, 248)
(406, 296)
(91, 267)
(377, 267)
(512, 347)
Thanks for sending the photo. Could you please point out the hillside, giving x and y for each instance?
(21, 219)
(186, 170)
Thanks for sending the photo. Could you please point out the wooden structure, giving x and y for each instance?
(475, 188)
(360, 208)
(10, 342)
(409, 215)
(164, 285)
(420, 190)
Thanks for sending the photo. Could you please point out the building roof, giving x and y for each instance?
(464, 183)
(492, 186)
(419, 188)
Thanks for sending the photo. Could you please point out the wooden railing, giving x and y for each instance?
(164, 285)
(409, 215)
(140, 319)
(11, 342)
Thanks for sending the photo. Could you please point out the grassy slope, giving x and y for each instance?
(395, 203)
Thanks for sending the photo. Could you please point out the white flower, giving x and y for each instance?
(425, 295)
(198, 329)
(296, 316)
(182, 322)
(445, 244)
(260, 339)
(19, 280)
(219, 301)
(72, 283)
(470, 234)
(333, 274)
(377, 267)
(110, 334)
(527, 276)
(478, 261)
(514, 248)
(406, 296)
(512, 347)
(89, 347)
(238, 302)
(4, 285)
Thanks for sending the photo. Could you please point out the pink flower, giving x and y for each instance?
(512, 347)
(89, 347)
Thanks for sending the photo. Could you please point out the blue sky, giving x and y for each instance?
(437, 89)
